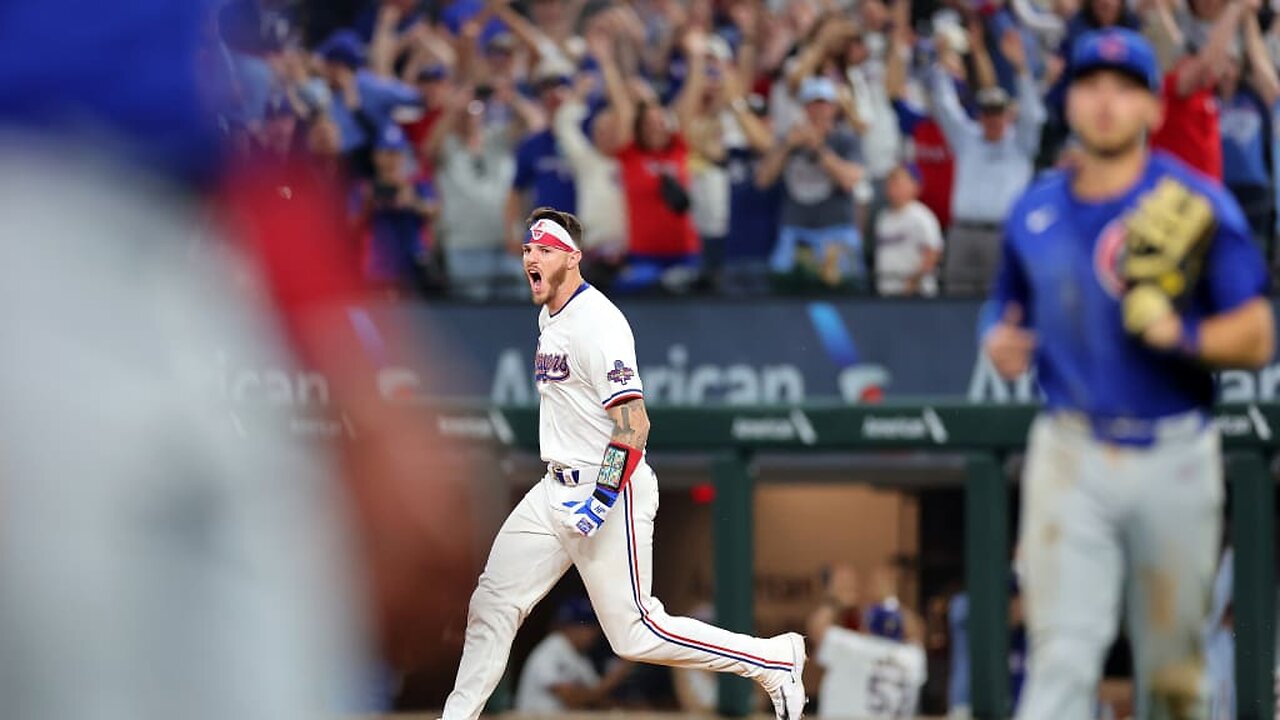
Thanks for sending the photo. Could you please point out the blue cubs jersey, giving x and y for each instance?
(542, 168)
(1061, 264)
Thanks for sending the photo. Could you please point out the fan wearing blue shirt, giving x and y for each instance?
(1248, 98)
(543, 175)
(1123, 479)
(754, 212)
(363, 101)
(249, 47)
(397, 210)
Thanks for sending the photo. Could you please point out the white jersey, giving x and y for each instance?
(869, 677)
(552, 663)
(586, 362)
(902, 237)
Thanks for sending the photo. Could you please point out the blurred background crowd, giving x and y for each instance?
(716, 146)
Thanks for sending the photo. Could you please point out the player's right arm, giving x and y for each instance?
(1009, 343)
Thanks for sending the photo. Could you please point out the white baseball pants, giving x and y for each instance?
(1100, 522)
(533, 550)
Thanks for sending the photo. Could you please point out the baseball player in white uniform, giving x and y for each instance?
(595, 506)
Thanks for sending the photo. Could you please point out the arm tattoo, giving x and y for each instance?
(625, 432)
(622, 430)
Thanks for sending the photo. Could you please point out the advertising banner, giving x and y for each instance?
(698, 352)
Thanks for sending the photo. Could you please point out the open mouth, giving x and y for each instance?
(535, 281)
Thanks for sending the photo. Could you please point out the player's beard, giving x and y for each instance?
(1115, 150)
(554, 281)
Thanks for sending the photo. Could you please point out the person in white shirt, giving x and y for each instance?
(908, 239)
(994, 162)
(595, 506)
(558, 675)
(877, 674)
(600, 201)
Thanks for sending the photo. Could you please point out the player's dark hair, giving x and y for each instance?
(568, 221)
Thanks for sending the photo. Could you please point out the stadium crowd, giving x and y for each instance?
(729, 146)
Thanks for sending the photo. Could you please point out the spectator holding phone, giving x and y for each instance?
(398, 212)
(818, 166)
(653, 157)
(543, 177)
(362, 102)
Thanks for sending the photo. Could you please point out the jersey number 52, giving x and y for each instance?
(889, 690)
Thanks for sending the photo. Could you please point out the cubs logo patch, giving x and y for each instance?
(620, 373)
(1112, 48)
(1108, 253)
(537, 231)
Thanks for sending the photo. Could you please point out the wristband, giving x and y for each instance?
(1189, 343)
(615, 469)
(739, 105)
(605, 495)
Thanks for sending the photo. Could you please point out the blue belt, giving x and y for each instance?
(1142, 432)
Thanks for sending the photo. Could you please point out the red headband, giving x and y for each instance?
(549, 232)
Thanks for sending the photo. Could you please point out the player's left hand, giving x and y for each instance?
(1164, 333)
(586, 516)
(1166, 238)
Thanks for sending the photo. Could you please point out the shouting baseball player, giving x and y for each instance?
(595, 506)
(1129, 278)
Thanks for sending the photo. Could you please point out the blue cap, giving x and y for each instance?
(343, 47)
(575, 611)
(392, 138)
(814, 89)
(1117, 49)
(885, 620)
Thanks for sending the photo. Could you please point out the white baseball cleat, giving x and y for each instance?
(789, 698)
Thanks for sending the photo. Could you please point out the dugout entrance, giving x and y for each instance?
(978, 440)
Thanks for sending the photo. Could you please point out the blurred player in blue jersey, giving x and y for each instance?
(1127, 280)
(167, 551)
